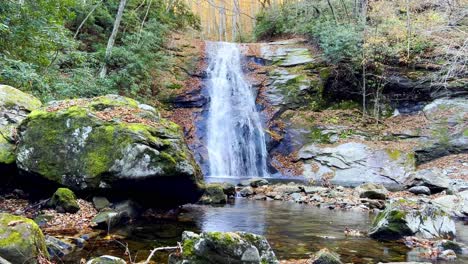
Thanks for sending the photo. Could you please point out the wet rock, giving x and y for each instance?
(458, 248)
(389, 167)
(372, 191)
(214, 194)
(313, 189)
(100, 202)
(14, 107)
(21, 240)
(120, 214)
(106, 260)
(246, 191)
(218, 247)
(58, 247)
(420, 190)
(260, 197)
(229, 189)
(64, 201)
(430, 178)
(297, 197)
(407, 218)
(325, 256)
(109, 144)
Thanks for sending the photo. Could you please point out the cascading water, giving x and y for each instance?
(236, 141)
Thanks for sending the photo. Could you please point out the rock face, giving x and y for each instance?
(14, 106)
(218, 247)
(447, 132)
(342, 163)
(111, 144)
(64, 200)
(407, 218)
(21, 240)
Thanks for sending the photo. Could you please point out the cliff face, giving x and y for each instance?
(314, 123)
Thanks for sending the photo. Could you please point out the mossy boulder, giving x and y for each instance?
(214, 194)
(21, 240)
(325, 256)
(109, 144)
(224, 247)
(408, 218)
(64, 201)
(14, 106)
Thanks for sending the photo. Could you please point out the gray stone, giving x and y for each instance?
(214, 194)
(372, 191)
(456, 205)
(431, 178)
(325, 256)
(251, 255)
(100, 202)
(297, 197)
(420, 190)
(246, 191)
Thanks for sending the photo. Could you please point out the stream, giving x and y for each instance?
(294, 231)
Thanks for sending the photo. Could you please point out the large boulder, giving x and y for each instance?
(109, 144)
(14, 107)
(219, 247)
(21, 240)
(341, 164)
(446, 133)
(214, 194)
(408, 218)
(372, 191)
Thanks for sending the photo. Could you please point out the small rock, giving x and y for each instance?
(260, 197)
(297, 197)
(64, 201)
(214, 194)
(420, 190)
(448, 255)
(372, 191)
(432, 179)
(325, 256)
(246, 191)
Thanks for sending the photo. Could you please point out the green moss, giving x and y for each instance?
(10, 97)
(23, 234)
(188, 248)
(316, 136)
(393, 154)
(465, 133)
(325, 73)
(7, 152)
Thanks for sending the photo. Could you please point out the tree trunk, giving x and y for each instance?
(111, 41)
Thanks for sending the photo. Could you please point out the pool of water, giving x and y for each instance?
(294, 231)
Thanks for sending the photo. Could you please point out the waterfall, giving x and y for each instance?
(236, 140)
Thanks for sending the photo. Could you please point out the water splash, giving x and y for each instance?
(236, 141)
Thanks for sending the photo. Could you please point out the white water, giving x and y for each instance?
(236, 140)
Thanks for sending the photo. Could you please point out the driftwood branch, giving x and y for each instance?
(178, 247)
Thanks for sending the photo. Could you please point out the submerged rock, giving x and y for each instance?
(64, 201)
(14, 107)
(325, 256)
(100, 202)
(407, 218)
(21, 240)
(109, 144)
(219, 247)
